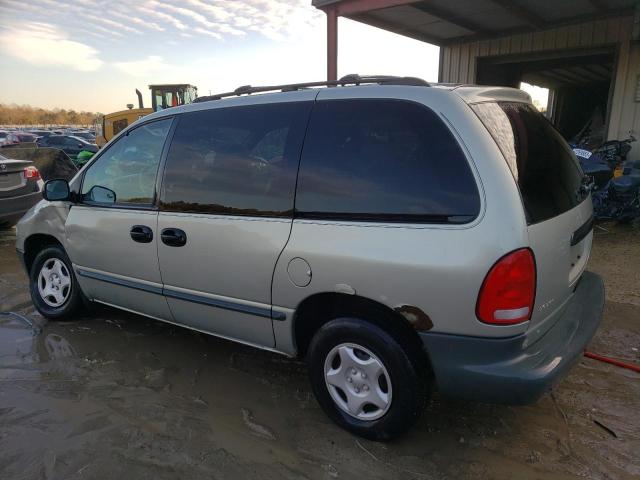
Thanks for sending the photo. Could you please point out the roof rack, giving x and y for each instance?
(353, 79)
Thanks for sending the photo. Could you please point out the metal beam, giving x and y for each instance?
(589, 74)
(346, 8)
(567, 75)
(451, 17)
(522, 13)
(561, 23)
(332, 44)
(561, 80)
(599, 70)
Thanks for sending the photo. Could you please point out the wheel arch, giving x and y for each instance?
(36, 243)
(320, 308)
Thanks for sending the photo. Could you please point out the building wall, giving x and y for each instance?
(625, 111)
(458, 62)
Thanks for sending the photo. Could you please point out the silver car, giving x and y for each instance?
(403, 237)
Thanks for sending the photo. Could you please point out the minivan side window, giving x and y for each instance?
(129, 166)
(383, 160)
(236, 161)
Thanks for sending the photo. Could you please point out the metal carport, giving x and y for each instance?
(573, 47)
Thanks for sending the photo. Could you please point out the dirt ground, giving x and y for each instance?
(119, 396)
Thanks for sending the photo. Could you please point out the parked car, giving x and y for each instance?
(400, 237)
(88, 136)
(3, 137)
(17, 137)
(20, 189)
(41, 133)
(69, 144)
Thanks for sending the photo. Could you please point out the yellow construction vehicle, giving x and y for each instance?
(162, 96)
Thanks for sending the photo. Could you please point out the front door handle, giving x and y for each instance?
(141, 233)
(174, 237)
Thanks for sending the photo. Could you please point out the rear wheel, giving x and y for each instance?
(365, 379)
(54, 288)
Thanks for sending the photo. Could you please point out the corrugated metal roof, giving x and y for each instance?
(444, 22)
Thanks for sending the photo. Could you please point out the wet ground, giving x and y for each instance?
(119, 396)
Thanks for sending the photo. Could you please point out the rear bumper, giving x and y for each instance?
(12, 208)
(507, 370)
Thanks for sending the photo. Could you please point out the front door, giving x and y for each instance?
(112, 232)
(225, 216)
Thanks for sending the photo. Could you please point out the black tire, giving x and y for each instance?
(74, 301)
(410, 380)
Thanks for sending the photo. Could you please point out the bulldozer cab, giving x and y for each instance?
(166, 96)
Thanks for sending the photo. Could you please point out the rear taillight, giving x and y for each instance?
(508, 290)
(31, 173)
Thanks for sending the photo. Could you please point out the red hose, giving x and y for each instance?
(612, 361)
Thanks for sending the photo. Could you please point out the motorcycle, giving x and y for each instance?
(623, 194)
(615, 180)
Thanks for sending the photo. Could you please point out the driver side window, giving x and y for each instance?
(129, 167)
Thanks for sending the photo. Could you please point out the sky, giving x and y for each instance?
(91, 55)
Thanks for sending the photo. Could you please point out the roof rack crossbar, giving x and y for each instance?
(353, 79)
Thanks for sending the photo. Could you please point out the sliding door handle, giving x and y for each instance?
(174, 237)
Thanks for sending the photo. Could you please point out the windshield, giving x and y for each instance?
(540, 160)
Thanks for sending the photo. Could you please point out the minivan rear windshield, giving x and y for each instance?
(540, 160)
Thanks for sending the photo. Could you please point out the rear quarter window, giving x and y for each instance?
(383, 160)
(542, 164)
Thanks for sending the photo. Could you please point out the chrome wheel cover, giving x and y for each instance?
(54, 283)
(357, 381)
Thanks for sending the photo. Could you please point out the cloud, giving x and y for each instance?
(274, 19)
(113, 24)
(142, 68)
(204, 31)
(148, 10)
(277, 20)
(41, 43)
(144, 23)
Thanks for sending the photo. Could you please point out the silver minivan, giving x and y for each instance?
(403, 237)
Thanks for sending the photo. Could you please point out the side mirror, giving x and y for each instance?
(100, 194)
(56, 190)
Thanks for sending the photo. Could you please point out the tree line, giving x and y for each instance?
(28, 115)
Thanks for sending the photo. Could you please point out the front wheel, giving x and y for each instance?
(54, 288)
(365, 379)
